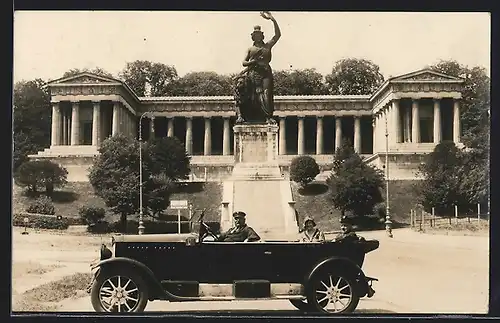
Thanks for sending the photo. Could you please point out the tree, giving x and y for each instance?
(202, 84)
(354, 76)
(299, 82)
(475, 167)
(22, 148)
(440, 187)
(115, 174)
(475, 120)
(169, 158)
(158, 76)
(343, 152)
(41, 173)
(303, 170)
(475, 103)
(97, 70)
(32, 119)
(355, 185)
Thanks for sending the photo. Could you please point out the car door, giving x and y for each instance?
(230, 261)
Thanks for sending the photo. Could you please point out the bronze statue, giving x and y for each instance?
(254, 85)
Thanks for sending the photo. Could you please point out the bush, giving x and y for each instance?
(42, 205)
(41, 173)
(100, 226)
(303, 170)
(151, 227)
(40, 221)
(91, 214)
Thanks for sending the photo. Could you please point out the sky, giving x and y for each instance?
(49, 43)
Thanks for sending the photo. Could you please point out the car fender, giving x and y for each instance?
(342, 264)
(147, 273)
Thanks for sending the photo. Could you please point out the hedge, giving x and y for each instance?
(40, 221)
(150, 227)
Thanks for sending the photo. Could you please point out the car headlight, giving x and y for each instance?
(105, 252)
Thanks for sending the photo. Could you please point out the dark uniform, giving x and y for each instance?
(347, 234)
(240, 232)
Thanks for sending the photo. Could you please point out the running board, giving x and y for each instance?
(244, 290)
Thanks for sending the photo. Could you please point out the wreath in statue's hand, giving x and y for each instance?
(266, 15)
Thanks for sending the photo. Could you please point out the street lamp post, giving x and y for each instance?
(388, 222)
(141, 212)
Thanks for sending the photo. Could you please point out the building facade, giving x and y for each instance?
(416, 110)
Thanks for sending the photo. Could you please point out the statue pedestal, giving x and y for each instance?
(255, 152)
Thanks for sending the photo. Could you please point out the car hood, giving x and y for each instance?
(167, 237)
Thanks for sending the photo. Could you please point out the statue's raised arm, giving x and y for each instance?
(277, 32)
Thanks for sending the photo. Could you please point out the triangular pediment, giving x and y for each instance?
(426, 75)
(84, 78)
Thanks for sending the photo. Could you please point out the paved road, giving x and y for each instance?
(418, 274)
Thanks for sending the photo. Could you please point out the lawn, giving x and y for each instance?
(74, 195)
(315, 202)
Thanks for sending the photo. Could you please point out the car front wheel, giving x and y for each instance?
(119, 291)
(332, 292)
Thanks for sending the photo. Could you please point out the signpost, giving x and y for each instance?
(179, 205)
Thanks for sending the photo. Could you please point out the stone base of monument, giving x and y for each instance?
(256, 152)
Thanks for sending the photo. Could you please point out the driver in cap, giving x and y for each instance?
(241, 232)
(347, 233)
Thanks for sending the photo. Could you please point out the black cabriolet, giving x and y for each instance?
(322, 277)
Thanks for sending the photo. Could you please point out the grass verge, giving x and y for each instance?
(45, 297)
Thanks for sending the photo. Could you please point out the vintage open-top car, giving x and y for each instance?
(316, 277)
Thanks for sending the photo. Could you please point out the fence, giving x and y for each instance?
(420, 219)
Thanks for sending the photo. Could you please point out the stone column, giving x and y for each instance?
(406, 117)
(189, 135)
(207, 144)
(415, 124)
(374, 135)
(64, 134)
(56, 124)
(396, 120)
(456, 121)
(226, 140)
(338, 132)
(116, 120)
(75, 124)
(282, 136)
(437, 121)
(96, 124)
(300, 136)
(170, 131)
(319, 135)
(357, 134)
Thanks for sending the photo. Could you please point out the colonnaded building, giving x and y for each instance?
(418, 110)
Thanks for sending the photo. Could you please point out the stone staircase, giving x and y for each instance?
(267, 212)
(68, 150)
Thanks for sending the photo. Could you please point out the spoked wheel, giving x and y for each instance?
(122, 291)
(301, 305)
(333, 293)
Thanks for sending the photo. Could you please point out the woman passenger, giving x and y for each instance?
(311, 233)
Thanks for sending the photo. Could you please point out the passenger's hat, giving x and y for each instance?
(309, 219)
(239, 214)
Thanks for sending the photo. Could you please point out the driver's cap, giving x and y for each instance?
(239, 214)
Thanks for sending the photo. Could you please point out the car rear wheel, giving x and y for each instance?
(119, 291)
(301, 305)
(332, 292)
